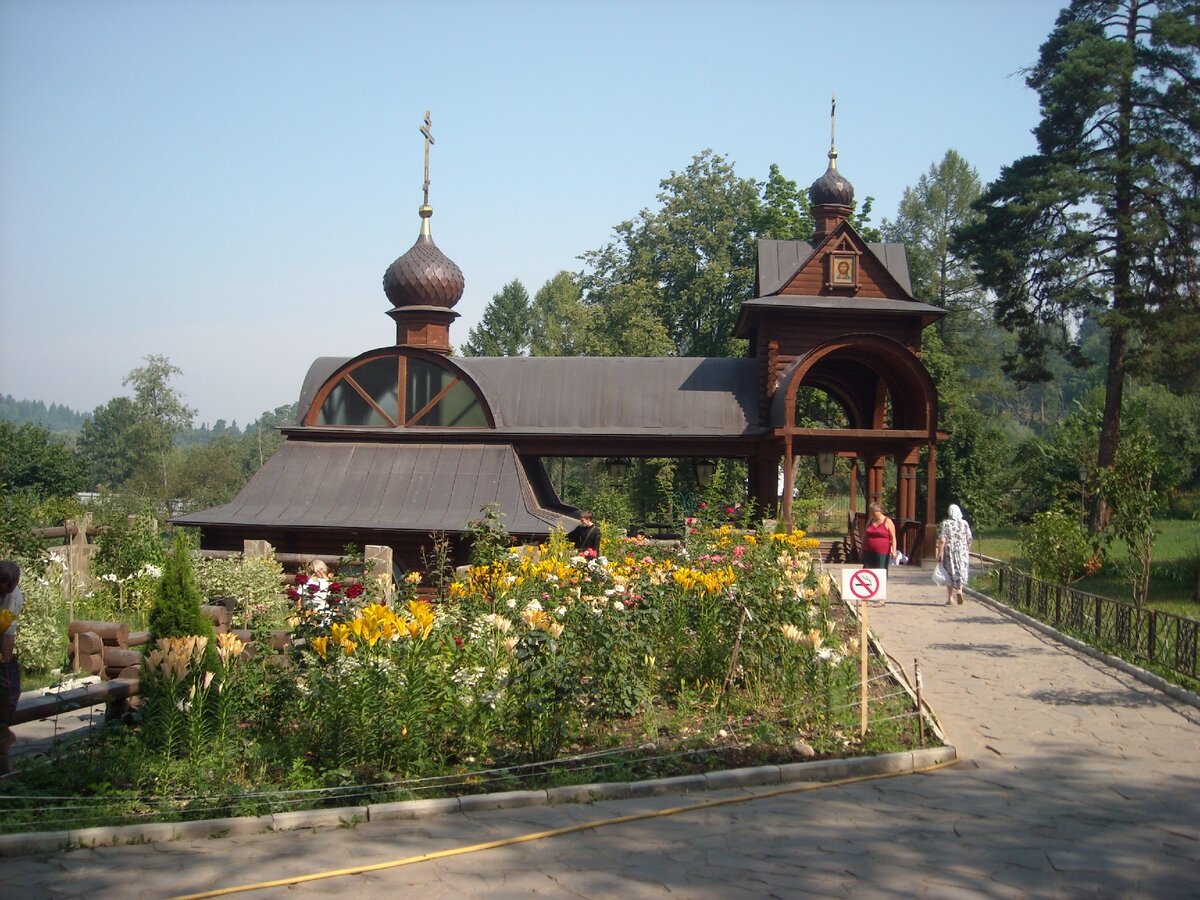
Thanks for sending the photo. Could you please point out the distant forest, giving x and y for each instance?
(55, 417)
(60, 419)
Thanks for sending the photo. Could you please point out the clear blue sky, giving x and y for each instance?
(225, 183)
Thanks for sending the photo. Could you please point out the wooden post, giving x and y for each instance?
(920, 707)
(382, 570)
(257, 549)
(862, 665)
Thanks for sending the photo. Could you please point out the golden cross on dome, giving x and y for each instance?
(428, 143)
(833, 133)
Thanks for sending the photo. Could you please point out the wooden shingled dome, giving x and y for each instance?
(424, 276)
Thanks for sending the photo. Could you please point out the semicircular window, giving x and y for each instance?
(398, 391)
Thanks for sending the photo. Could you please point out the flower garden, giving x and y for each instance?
(531, 667)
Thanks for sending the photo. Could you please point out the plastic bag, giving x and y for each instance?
(940, 578)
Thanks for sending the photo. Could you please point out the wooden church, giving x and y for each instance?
(405, 440)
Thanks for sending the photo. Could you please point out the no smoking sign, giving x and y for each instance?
(864, 584)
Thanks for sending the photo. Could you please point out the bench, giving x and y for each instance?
(114, 693)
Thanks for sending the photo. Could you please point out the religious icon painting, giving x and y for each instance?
(843, 269)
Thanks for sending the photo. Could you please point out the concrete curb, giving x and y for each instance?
(1148, 678)
(907, 762)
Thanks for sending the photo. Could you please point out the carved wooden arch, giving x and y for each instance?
(914, 395)
(343, 375)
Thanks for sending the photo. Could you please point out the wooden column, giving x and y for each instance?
(786, 512)
(930, 501)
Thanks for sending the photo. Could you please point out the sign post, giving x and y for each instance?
(867, 587)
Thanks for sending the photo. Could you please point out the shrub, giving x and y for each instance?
(1058, 548)
(128, 546)
(255, 583)
(42, 641)
(176, 609)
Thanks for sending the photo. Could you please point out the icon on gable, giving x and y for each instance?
(843, 270)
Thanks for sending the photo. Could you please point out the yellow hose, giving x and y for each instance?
(554, 832)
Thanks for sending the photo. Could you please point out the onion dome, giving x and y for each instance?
(424, 276)
(831, 189)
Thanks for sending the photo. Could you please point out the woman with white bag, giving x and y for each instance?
(954, 554)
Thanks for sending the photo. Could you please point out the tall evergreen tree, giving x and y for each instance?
(1105, 215)
(506, 325)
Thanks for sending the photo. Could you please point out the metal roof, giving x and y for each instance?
(387, 487)
(779, 261)
(582, 395)
(621, 395)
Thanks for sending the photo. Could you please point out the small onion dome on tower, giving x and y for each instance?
(424, 276)
(831, 189)
(831, 198)
(423, 285)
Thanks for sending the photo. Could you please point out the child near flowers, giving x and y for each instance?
(11, 601)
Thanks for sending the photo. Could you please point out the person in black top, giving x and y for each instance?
(586, 535)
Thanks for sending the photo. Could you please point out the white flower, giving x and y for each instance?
(618, 606)
(511, 602)
(110, 577)
(534, 604)
(560, 611)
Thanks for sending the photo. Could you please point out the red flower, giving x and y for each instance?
(354, 590)
(458, 642)
(729, 510)
(293, 594)
(312, 587)
(589, 553)
(301, 578)
(334, 587)
(703, 504)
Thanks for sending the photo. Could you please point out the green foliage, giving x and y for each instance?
(176, 609)
(33, 459)
(506, 326)
(210, 474)
(489, 539)
(253, 582)
(56, 417)
(113, 445)
(1058, 547)
(690, 263)
(42, 639)
(1101, 220)
(929, 212)
(1128, 490)
(559, 321)
(128, 545)
(18, 518)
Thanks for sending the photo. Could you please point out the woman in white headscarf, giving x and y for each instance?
(954, 553)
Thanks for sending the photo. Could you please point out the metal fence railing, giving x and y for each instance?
(1145, 634)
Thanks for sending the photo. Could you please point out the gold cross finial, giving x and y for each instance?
(425, 130)
(833, 133)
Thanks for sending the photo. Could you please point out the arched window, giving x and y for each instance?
(397, 390)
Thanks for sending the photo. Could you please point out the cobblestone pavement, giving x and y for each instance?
(1077, 781)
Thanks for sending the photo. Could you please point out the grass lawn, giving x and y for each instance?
(1172, 574)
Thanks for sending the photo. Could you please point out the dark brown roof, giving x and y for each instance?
(620, 395)
(386, 487)
(584, 395)
(779, 261)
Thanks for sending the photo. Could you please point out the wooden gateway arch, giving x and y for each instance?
(837, 314)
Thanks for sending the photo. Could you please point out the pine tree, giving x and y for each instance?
(1105, 217)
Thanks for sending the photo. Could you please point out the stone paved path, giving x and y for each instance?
(1077, 781)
